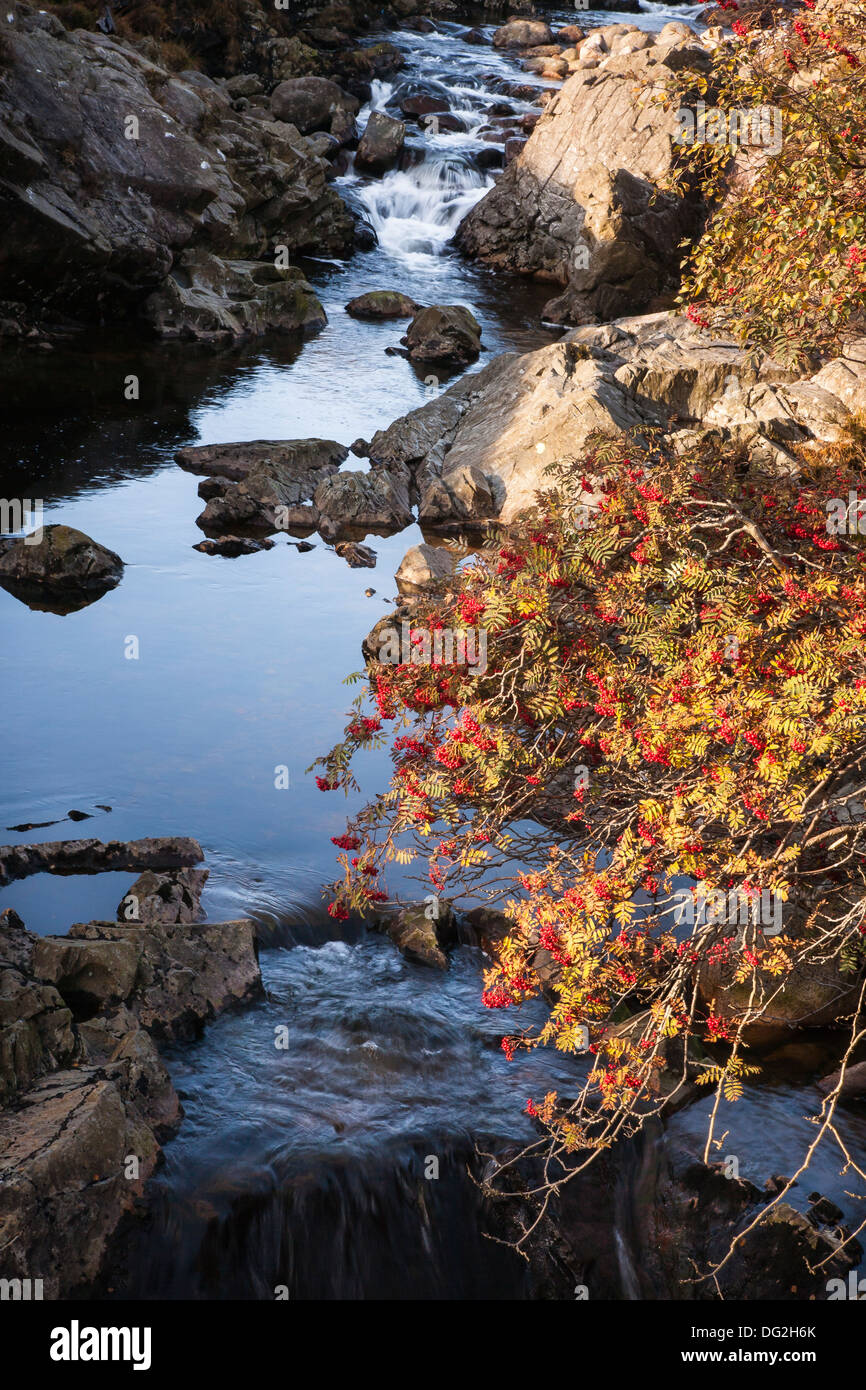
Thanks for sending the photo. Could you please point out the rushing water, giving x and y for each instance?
(302, 1166)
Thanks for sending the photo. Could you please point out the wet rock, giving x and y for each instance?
(853, 1083)
(324, 144)
(422, 104)
(423, 565)
(122, 1049)
(63, 559)
(276, 489)
(446, 333)
(360, 66)
(420, 24)
(474, 36)
(356, 556)
(592, 172)
(211, 299)
(187, 973)
(94, 856)
(164, 897)
(236, 461)
(697, 1211)
(448, 122)
(374, 501)
(489, 159)
(36, 1032)
(63, 1183)
(310, 102)
(423, 932)
(823, 1212)
(522, 33)
(380, 145)
(344, 127)
(230, 547)
(815, 995)
(382, 304)
(89, 975)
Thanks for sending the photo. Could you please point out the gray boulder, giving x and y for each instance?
(382, 304)
(424, 565)
(592, 173)
(380, 145)
(522, 33)
(446, 333)
(63, 559)
(310, 102)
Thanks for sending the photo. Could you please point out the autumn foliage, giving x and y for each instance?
(783, 260)
(676, 693)
(674, 705)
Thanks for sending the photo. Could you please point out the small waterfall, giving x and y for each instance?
(380, 94)
(630, 1285)
(415, 212)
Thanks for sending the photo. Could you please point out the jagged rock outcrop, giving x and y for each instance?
(112, 167)
(277, 482)
(164, 897)
(85, 1099)
(65, 1150)
(82, 1110)
(36, 1033)
(173, 976)
(581, 204)
(375, 501)
(482, 448)
(236, 461)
